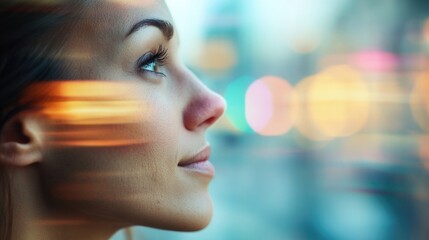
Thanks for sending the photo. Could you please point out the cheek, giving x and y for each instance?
(115, 173)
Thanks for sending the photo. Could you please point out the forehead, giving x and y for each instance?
(116, 17)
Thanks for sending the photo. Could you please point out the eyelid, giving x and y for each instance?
(160, 56)
(145, 59)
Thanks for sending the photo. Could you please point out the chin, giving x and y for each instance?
(191, 225)
(195, 221)
(198, 223)
(189, 219)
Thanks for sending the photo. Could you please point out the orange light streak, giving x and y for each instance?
(89, 113)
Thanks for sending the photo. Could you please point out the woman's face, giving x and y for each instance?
(141, 128)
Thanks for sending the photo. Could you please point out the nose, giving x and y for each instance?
(205, 107)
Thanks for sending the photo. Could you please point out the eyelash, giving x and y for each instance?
(159, 57)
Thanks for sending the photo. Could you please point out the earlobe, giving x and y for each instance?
(20, 141)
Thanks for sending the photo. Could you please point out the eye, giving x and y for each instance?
(152, 62)
(151, 67)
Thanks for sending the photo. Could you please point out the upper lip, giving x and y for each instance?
(200, 156)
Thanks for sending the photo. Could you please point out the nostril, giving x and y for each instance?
(211, 120)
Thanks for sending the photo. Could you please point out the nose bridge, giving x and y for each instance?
(204, 106)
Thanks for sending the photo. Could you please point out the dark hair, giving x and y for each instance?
(31, 37)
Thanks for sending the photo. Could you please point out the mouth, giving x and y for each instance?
(199, 163)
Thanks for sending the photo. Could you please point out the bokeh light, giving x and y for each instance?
(215, 55)
(375, 60)
(334, 103)
(268, 106)
(302, 119)
(420, 100)
(388, 99)
(235, 96)
(259, 106)
(425, 31)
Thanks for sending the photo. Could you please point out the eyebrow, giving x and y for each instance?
(166, 27)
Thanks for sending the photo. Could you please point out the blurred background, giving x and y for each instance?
(326, 132)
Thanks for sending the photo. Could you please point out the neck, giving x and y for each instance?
(34, 220)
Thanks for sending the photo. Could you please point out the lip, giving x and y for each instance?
(199, 163)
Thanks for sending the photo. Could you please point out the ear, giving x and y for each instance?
(20, 140)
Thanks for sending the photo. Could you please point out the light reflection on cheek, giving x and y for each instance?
(90, 113)
(133, 3)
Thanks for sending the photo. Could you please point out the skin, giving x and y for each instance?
(89, 192)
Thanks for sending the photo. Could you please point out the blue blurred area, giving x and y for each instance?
(368, 179)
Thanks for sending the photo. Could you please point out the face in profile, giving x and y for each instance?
(125, 140)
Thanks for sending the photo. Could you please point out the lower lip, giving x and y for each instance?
(204, 167)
